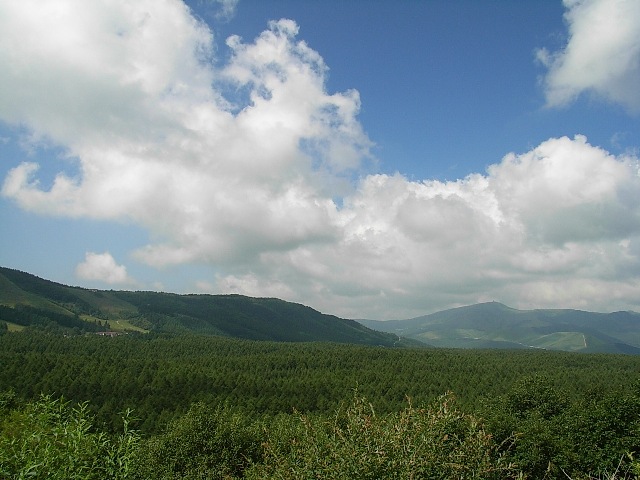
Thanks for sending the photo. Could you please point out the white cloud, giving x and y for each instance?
(86, 73)
(545, 228)
(245, 181)
(227, 8)
(602, 55)
(211, 183)
(103, 268)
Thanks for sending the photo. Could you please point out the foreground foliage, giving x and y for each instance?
(435, 441)
(561, 438)
(50, 439)
(221, 408)
(207, 442)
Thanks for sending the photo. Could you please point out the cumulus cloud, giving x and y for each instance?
(602, 55)
(557, 225)
(256, 169)
(102, 267)
(214, 177)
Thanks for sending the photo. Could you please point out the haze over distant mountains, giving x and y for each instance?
(494, 325)
(29, 300)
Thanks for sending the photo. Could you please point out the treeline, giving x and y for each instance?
(232, 402)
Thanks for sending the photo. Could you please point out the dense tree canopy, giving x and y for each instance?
(257, 409)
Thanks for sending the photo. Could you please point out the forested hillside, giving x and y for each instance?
(29, 300)
(494, 325)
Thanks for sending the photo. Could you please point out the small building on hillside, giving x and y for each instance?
(108, 334)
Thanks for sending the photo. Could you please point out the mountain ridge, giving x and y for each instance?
(27, 300)
(495, 325)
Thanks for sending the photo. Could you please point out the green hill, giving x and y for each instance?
(494, 325)
(27, 300)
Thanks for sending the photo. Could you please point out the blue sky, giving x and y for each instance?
(444, 85)
(369, 159)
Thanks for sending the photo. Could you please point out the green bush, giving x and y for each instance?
(595, 437)
(50, 439)
(207, 442)
(434, 442)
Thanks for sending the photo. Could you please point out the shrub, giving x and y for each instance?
(596, 437)
(436, 441)
(207, 442)
(50, 439)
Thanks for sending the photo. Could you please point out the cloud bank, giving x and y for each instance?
(255, 169)
(602, 55)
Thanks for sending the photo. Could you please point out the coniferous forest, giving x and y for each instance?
(190, 406)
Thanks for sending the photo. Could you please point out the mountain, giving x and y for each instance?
(494, 325)
(29, 300)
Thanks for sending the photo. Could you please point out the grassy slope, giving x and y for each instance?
(12, 295)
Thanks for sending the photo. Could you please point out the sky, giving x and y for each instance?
(370, 159)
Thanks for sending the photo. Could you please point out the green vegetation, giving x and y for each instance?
(433, 441)
(27, 300)
(159, 376)
(493, 325)
(215, 407)
(214, 396)
(29, 316)
(50, 439)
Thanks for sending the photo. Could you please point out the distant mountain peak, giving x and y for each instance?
(495, 325)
